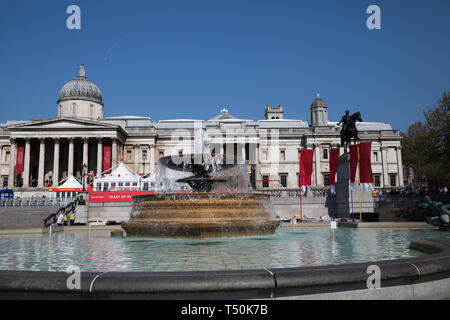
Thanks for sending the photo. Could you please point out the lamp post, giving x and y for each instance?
(144, 157)
(84, 174)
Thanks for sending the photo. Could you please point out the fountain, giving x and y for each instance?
(217, 204)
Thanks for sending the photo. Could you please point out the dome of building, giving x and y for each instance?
(318, 102)
(81, 88)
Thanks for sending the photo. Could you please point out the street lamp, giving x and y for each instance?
(84, 174)
(144, 157)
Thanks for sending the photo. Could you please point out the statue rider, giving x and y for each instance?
(345, 121)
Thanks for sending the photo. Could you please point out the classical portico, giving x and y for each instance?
(58, 148)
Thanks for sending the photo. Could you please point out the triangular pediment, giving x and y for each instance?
(63, 123)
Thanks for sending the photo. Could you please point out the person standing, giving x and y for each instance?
(59, 221)
(65, 219)
(72, 218)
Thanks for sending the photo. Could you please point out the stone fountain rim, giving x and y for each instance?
(403, 278)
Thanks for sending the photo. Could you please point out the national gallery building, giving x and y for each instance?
(40, 153)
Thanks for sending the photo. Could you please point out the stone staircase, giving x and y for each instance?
(24, 217)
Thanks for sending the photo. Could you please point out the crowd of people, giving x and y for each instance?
(422, 191)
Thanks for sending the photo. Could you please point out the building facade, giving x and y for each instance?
(73, 143)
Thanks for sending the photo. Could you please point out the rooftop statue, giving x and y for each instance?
(349, 130)
(441, 210)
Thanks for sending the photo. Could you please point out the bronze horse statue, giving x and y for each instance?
(349, 130)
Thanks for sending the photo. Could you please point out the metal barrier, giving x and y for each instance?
(35, 202)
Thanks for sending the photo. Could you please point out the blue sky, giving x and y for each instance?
(188, 59)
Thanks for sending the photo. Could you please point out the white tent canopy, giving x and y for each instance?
(120, 174)
(120, 179)
(71, 184)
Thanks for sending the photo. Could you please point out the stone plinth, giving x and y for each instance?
(347, 199)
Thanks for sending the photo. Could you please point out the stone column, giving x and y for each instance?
(99, 156)
(70, 158)
(85, 159)
(384, 166)
(136, 158)
(317, 164)
(26, 165)
(257, 164)
(400, 166)
(56, 163)
(41, 163)
(114, 152)
(152, 159)
(12, 165)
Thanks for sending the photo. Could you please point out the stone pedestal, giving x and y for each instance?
(81, 214)
(347, 200)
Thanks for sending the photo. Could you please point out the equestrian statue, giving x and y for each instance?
(349, 130)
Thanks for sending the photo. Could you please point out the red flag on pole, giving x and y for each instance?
(365, 168)
(306, 160)
(334, 159)
(106, 158)
(19, 160)
(353, 161)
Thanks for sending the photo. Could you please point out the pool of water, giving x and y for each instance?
(289, 247)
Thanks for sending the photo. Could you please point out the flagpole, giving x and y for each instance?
(359, 185)
(300, 182)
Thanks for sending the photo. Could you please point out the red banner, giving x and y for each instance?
(353, 161)
(106, 158)
(365, 167)
(115, 196)
(19, 160)
(305, 170)
(334, 159)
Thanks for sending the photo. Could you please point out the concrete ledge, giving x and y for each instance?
(305, 224)
(425, 277)
(56, 228)
(385, 225)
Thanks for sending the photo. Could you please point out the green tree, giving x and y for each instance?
(426, 145)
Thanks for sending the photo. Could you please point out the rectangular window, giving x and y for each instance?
(283, 180)
(145, 187)
(282, 155)
(7, 156)
(377, 180)
(128, 157)
(375, 156)
(325, 154)
(326, 179)
(265, 181)
(5, 182)
(393, 180)
(105, 186)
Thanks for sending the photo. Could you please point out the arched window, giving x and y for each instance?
(74, 109)
(91, 110)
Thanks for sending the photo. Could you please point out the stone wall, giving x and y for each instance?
(25, 217)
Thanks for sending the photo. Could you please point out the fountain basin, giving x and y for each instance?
(201, 215)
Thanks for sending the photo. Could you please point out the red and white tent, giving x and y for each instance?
(71, 185)
(120, 179)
